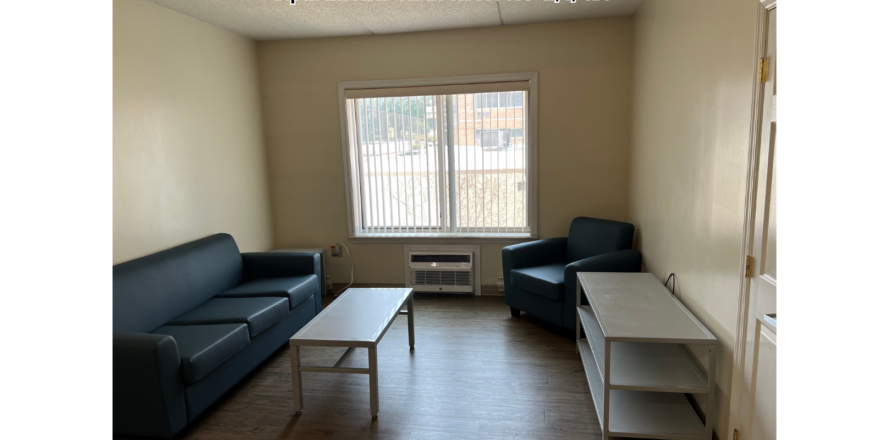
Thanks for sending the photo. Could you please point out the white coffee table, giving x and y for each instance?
(358, 318)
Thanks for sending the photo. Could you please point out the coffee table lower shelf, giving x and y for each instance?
(641, 414)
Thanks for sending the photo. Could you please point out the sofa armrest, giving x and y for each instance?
(147, 388)
(532, 253)
(628, 260)
(282, 264)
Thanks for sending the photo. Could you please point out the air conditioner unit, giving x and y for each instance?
(443, 269)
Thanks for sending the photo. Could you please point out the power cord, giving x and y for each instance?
(352, 270)
(666, 284)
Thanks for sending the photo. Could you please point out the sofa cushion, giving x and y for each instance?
(258, 313)
(547, 281)
(204, 347)
(150, 290)
(295, 289)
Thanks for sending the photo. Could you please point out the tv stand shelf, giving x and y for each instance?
(636, 367)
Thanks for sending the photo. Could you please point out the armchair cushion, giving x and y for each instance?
(204, 347)
(296, 289)
(258, 313)
(533, 253)
(547, 281)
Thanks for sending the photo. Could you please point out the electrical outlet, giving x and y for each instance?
(328, 282)
(335, 250)
(500, 284)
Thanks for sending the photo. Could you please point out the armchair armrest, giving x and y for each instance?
(147, 388)
(281, 264)
(533, 253)
(628, 260)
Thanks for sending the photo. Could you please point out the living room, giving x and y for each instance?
(571, 207)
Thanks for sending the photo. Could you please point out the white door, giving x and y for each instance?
(757, 393)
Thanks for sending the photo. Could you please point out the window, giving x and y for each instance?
(449, 157)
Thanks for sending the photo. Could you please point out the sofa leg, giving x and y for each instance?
(514, 312)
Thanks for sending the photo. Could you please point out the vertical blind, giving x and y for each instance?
(453, 163)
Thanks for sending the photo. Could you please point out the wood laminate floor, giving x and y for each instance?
(476, 373)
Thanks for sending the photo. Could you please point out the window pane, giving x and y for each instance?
(398, 164)
(489, 171)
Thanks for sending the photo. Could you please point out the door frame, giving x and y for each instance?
(734, 418)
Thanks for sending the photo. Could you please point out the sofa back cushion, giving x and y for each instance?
(151, 290)
(589, 237)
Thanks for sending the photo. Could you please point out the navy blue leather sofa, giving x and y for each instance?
(540, 276)
(191, 321)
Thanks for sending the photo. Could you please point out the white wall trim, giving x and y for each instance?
(734, 420)
(531, 131)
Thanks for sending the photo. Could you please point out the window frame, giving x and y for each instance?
(347, 119)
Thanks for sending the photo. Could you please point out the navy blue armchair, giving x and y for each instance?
(540, 276)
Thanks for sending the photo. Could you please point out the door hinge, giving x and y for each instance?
(735, 434)
(763, 69)
(750, 262)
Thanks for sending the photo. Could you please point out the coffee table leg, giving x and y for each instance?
(410, 319)
(297, 379)
(374, 382)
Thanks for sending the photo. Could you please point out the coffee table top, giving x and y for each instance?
(358, 318)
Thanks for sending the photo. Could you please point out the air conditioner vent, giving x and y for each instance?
(442, 269)
(440, 278)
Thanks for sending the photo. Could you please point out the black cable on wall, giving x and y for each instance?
(671, 276)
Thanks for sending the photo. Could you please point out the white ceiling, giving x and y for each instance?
(277, 19)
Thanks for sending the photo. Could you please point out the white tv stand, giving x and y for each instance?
(637, 370)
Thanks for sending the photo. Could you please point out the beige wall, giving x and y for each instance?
(691, 114)
(188, 151)
(584, 110)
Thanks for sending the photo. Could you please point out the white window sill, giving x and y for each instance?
(442, 238)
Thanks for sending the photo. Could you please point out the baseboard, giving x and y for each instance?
(491, 290)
